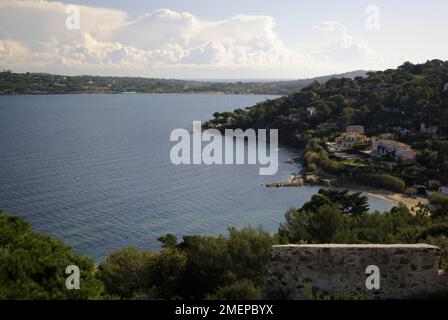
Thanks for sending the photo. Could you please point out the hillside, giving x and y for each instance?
(397, 101)
(40, 83)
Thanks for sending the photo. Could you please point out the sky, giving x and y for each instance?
(231, 39)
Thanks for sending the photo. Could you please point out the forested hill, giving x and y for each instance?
(41, 83)
(404, 97)
(393, 101)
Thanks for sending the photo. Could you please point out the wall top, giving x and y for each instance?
(359, 246)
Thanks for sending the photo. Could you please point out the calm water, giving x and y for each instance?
(94, 171)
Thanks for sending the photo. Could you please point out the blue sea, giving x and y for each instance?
(94, 171)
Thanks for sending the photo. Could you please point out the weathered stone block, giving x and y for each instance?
(339, 270)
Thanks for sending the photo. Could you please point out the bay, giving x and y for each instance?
(94, 171)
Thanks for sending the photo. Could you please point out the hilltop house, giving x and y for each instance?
(348, 140)
(394, 149)
(353, 136)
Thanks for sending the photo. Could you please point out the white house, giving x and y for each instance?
(348, 140)
(394, 149)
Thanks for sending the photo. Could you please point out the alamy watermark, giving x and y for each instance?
(373, 17)
(72, 281)
(373, 280)
(234, 147)
(73, 19)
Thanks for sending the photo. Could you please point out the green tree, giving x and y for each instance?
(32, 265)
(124, 272)
(168, 241)
(324, 223)
(166, 273)
(249, 253)
(241, 290)
(294, 229)
(208, 265)
(349, 203)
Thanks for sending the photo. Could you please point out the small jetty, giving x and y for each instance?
(295, 181)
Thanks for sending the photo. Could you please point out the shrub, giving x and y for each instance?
(312, 167)
(438, 199)
(241, 290)
(411, 191)
(382, 180)
(324, 223)
(32, 265)
(166, 273)
(123, 272)
(435, 230)
(249, 250)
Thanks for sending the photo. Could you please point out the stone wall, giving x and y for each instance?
(339, 270)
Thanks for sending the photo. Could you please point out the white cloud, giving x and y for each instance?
(33, 37)
(343, 47)
(11, 52)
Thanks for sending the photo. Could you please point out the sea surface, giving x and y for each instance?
(95, 171)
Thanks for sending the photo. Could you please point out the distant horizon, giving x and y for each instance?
(192, 79)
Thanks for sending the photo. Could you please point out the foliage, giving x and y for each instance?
(32, 265)
(350, 203)
(313, 293)
(396, 225)
(383, 180)
(196, 268)
(205, 267)
(437, 198)
(242, 290)
(437, 229)
(396, 100)
(168, 241)
(123, 272)
(324, 223)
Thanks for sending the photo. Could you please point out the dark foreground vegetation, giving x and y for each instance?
(32, 266)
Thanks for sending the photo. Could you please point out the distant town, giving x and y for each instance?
(42, 83)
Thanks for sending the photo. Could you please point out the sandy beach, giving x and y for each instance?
(410, 202)
(396, 197)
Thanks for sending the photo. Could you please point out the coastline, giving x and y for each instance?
(306, 178)
(409, 201)
(219, 93)
(396, 197)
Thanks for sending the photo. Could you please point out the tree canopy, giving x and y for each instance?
(32, 265)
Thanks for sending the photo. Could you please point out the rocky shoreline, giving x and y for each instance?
(294, 181)
(306, 178)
